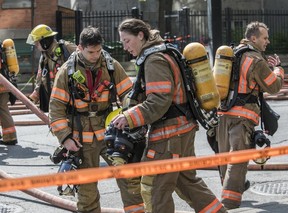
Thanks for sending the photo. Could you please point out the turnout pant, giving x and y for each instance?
(233, 134)
(88, 194)
(7, 123)
(157, 190)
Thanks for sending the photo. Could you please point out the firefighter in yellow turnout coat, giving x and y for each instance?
(90, 105)
(237, 124)
(171, 134)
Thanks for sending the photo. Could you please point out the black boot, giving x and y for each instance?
(13, 142)
(246, 185)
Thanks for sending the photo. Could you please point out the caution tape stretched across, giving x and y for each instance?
(137, 169)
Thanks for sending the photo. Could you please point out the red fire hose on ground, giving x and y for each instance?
(60, 202)
(55, 200)
(24, 99)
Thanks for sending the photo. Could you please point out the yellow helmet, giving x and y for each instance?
(39, 32)
(112, 115)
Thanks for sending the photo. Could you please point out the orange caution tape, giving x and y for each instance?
(138, 169)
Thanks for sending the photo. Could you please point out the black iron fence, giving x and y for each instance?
(189, 26)
(106, 21)
(181, 27)
(235, 21)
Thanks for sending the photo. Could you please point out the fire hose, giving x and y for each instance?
(256, 167)
(24, 99)
(58, 201)
(55, 200)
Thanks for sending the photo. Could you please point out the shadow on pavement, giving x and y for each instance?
(19, 152)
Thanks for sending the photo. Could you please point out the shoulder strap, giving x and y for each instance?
(64, 49)
(109, 61)
(111, 69)
(233, 95)
(137, 86)
(71, 63)
(158, 48)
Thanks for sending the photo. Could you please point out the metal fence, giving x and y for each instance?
(106, 21)
(233, 26)
(181, 27)
(235, 21)
(185, 26)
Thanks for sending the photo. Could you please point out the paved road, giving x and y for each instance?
(268, 191)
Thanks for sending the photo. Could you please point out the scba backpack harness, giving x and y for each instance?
(234, 98)
(269, 118)
(193, 107)
(44, 95)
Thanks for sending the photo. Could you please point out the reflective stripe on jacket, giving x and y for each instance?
(164, 87)
(60, 98)
(255, 76)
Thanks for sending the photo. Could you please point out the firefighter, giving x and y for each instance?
(258, 74)
(172, 133)
(9, 68)
(82, 96)
(53, 54)
(7, 123)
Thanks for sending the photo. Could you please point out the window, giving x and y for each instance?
(11, 4)
(23, 51)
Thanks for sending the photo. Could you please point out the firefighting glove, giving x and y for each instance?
(118, 161)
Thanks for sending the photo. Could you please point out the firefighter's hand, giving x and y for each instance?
(72, 145)
(117, 161)
(274, 61)
(34, 97)
(120, 122)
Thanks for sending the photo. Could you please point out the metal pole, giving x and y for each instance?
(59, 25)
(135, 12)
(32, 46)
(78, 25)
(214, 25)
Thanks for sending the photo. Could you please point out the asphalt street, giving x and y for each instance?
(268, 191)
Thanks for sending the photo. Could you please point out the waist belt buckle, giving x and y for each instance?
(93, 108)
(92, 114)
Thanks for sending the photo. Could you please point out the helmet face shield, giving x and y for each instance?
(46, 42)
(30, 40)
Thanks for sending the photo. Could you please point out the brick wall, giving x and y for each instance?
(15, 21)
(16, 24)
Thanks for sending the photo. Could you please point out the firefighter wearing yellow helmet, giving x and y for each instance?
(42, 33)
(53, 54)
